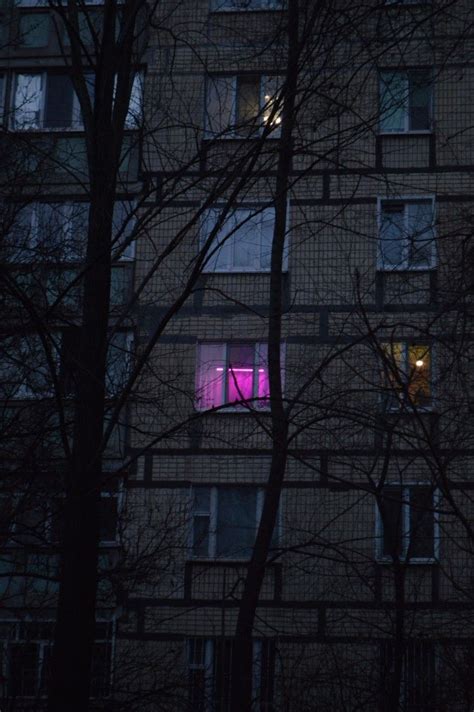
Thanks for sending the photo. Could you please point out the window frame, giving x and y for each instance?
(404, 265)
(262, 213)
(75, 118)
(212, 514)
(407, 130)
(406, 534)
(244, 131)
(392, 400)
(255, 403)
(18, 637)
(209, 667)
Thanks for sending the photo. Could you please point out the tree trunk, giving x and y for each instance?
(241, 675)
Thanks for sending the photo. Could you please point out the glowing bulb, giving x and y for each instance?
(419, 363)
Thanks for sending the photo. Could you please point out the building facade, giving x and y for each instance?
(344, 134)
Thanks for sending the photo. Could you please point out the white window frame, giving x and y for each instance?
(235, 133)
(76, 118)
(68, 206)
(404, 264)
(225, 406)
(248, 214)
(400, 400)
(406, 535)
(212, 512)
(406, 118)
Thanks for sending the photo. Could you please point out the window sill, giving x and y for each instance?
(218, 561)
(234, 410)
(405, 268)
(415, 561)
(241, 271)
(411, 132)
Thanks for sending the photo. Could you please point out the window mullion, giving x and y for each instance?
(406, 521)
(213, 523)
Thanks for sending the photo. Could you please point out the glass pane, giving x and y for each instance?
(118, 362)
(246, 240)
(24, 668)
(421, 522)
(202, 499)
(201, 535)
(108, 519)
(135, 106)
(220, 104)
(59, 99)
(394, 373)
(420, 234)
(210, 376)
(271, 113)
(28, 94)
(267, 229)
(236, 521)
(240, 372)
(419, 365)
(392, 235)
(263, 388)
(391, 513)
(34, 30)
(420, 100)
(393, 101)
(248, 99)
(124, 221)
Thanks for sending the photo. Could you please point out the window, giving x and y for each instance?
(57, 232)
(209, 674)
(247, 4)
(242, 105)
(225, 521)
(405, 101)
(418, 674)
(407, 240)
(243, 243)
(34, 29)
(24, 368)
(47, 100)
(25, 650)
(406, 524)
(35, 519)
(119, 357)
(232, 374)
(408, 375)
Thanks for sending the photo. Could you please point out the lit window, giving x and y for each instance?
(243, 243)
(407, 526)
(407, 238)
(405, 101)
(242, 105)
(232, 373)
(225, 521)
(407, 370)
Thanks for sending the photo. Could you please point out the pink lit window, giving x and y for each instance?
(232, 373)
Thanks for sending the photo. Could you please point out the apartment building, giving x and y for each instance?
(344, 134)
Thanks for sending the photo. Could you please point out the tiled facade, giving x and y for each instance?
(332, 595)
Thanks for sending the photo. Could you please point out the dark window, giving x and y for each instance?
(416, 689)
(407, 523)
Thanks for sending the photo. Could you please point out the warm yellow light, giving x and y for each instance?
(419, 363)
